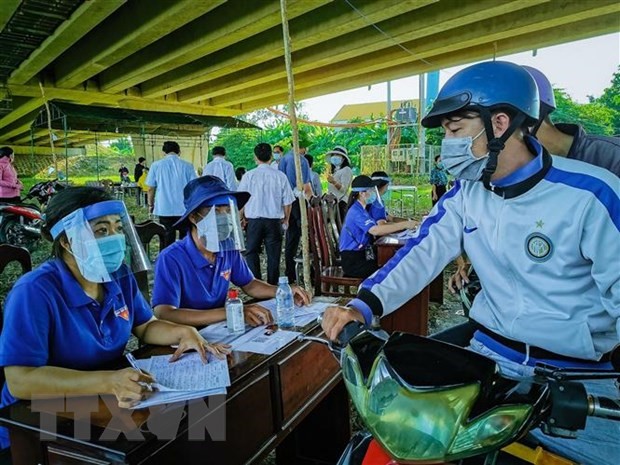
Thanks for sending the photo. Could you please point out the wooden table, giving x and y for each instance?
(415, 314)
(294, 401)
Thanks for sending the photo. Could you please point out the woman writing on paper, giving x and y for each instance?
(360, 228)
(192, 276)
(69, 320)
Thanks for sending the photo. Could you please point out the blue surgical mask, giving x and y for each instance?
(112, 250)
(386, 196)
(336, 160)
(111, 254)
(277, 156)
(459, 160)
(371, 198)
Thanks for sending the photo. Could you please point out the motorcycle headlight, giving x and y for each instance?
(426, 424)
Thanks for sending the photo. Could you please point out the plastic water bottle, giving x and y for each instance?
(284, 304)
(234, 313)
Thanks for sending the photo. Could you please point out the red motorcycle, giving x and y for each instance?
(20, 224)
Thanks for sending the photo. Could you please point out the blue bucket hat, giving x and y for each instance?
(207, 191)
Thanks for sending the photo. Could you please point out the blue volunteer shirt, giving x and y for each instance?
(287, 166)
(186, 279)
(377, 211)
(50, 321)
(354, 234)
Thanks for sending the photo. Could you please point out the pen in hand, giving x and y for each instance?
(134, 364)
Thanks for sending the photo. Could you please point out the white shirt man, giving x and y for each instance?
(221, 168)
(166, 180)
(267, 212)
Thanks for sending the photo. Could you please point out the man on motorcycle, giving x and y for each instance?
(542, 232)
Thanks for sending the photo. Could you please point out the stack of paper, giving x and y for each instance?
(261, 339)
(187, 378)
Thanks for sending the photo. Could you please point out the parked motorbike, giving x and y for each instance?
(20, 225)
(425, 401)
(43, 191)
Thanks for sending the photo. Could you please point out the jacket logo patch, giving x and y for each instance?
(538, 247)
(225, 275)
(122, 312)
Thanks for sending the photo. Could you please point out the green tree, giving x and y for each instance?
(122, 146)
(595, 117)
(239, 145)
(611, 100)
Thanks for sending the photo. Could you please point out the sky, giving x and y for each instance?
(581, 68)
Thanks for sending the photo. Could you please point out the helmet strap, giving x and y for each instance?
(544, 112)
(496, 144)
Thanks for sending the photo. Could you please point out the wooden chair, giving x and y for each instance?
(12, 253)
(8, 254)
(333, 226)
(333, 211)
(328, 277)
(146, 232)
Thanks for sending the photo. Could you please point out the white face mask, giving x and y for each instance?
(458, 158)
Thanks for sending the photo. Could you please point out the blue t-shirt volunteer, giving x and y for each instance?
(377, 211)
(186, 279)
(354, 234)
(50, 321)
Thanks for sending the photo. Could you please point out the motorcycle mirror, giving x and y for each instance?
(614, 358)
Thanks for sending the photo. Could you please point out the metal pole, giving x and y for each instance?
(389, 114)
(97, 154)
(64, 126)
(293, 116)
(152, 150)
(421, 130)
(49, 127)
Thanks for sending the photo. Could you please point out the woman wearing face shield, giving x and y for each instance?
(68, 321)
(192, 276)
(359, 228)
(377, 208)
(339, 180)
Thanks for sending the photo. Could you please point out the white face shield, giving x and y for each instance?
(103, 241)
(371, 193)
(220, 229)
(385, 197)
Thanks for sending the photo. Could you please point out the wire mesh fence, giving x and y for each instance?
(405, 163)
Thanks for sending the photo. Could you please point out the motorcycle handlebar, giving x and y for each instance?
(604, 407)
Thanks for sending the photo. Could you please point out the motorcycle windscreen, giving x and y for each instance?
(417, 397)
(103, 240)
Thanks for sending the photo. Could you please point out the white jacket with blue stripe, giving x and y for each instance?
(547, 251)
